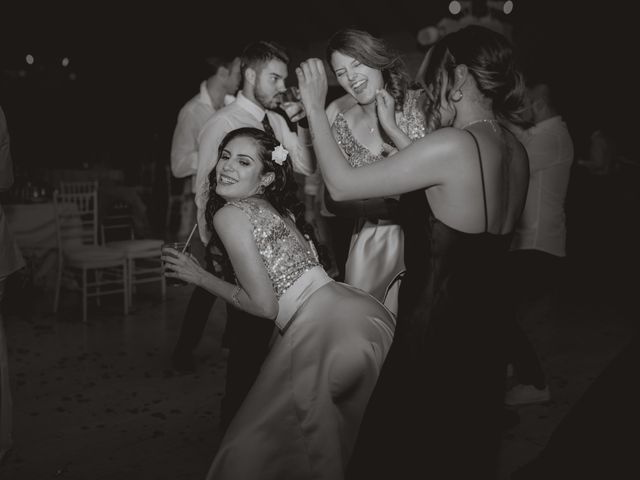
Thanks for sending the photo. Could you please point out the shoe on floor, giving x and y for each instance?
(526, 394)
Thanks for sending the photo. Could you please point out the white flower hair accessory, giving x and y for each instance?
(279, 154)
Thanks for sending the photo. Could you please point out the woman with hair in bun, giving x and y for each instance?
(436, 410)
(366, 68)
(301, 417)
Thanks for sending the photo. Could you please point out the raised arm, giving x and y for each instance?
(424, 163)
(254, 292)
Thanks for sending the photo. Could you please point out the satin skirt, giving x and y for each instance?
(301, 418)
(376, 257)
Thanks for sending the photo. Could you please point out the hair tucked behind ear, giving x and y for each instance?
(282, 194)
(489, 58)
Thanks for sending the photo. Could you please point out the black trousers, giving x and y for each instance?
(195, 320)
(247, 338)
(533, 277)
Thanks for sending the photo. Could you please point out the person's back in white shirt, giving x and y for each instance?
(543, 222)
(215, 92)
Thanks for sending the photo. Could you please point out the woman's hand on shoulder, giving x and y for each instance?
(386, 108)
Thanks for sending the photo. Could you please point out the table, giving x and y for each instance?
(33, 226)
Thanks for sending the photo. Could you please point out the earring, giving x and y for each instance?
(456, 96)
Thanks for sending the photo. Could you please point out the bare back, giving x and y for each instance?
(496, 169)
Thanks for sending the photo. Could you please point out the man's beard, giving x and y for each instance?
(264, 100)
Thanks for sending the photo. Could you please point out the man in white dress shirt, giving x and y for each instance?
(538, 245)
(216, 91)
(264, 69)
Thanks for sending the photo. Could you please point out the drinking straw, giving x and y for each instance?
(193, 230)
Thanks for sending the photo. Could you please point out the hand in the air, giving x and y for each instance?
(312, 82)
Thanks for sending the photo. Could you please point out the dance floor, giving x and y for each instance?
(99, 401)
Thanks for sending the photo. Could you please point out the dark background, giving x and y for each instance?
(135, 64)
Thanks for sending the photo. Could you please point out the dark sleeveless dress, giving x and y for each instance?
(435, 412)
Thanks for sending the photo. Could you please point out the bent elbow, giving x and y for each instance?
(268, 310)
(338, 195)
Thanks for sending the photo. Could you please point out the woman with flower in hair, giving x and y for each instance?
(301, 417)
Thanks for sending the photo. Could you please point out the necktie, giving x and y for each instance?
(267, 126)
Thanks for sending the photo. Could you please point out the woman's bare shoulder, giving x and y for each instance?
(232, 214)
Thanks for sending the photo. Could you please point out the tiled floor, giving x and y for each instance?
(98, 401)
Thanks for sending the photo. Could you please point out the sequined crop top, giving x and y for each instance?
(410, 120)
(284, 257)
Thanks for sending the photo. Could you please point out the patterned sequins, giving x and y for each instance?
(410, 120)
(284, 257)
(357, 154)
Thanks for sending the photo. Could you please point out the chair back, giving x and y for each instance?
(78, 186)
(117, 224)
(76, 218)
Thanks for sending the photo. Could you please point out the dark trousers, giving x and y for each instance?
(533, 276)
(195, 319)
(341, 231)
(248, 339)
(197, 313)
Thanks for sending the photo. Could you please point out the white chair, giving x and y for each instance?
(78, 186)
(98, 270)
(144, 263)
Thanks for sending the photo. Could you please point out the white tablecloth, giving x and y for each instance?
(34, 228)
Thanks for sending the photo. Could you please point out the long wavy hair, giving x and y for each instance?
(281, 194)
(374, 53)
(489, 58)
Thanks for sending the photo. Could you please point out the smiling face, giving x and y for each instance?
(359, 80)
(239, 170)
(269, 83)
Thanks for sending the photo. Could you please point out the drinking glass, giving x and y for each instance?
(291, 94)
(172, 281)
(290, 101)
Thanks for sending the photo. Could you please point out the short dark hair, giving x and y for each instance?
(212, 64)
(258, 53)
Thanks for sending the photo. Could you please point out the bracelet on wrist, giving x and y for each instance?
(234, 296)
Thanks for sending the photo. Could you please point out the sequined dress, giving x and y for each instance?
(301, 417)
(376, 251)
